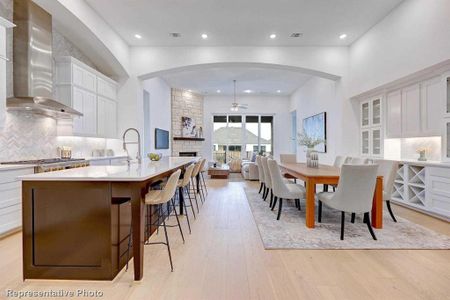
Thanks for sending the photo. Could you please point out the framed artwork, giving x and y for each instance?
(316, 127)
(188, 127)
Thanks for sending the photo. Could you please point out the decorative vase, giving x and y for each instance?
(422, 156)
(312, 158)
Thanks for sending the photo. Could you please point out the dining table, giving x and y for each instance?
(329, 175)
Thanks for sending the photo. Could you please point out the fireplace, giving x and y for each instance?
(187, 153)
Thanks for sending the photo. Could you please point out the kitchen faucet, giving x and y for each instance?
(138, 156)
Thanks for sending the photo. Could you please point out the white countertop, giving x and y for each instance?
(15, 167)
(136, 172)
(104, 157)
(431, 163)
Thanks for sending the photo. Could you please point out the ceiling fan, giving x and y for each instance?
(235, 106)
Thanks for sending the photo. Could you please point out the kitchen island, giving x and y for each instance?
(76, 222)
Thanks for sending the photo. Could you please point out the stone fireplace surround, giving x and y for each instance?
(186, 104)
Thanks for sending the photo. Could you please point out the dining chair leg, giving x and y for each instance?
(325, 187)
(267, 194)
(369, 226)
(167, 244)
(299, 206)
(178, 220)
(190, 201)
(353, 218)
(279, 208)
(260, 188)
(274, 203)
(271, 202)
(319, 218)
(342, 224)
(271, 196)
(388, 204)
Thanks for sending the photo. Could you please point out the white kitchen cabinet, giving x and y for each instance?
(431, 106)
(411, 113)
(86, 103)
(4, 24)
(11, 198)
(416, 110)
(438, 190)
(106, 88)
(89, 92)
(107, 117)
(394, 114)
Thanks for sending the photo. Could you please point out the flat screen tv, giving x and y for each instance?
(161, 139)
(316, 127)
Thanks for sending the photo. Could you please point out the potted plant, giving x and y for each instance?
(312, 158)
(422, 154)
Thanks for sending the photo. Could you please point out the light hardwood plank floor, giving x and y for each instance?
(224, 258)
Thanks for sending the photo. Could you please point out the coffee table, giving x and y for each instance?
(219, 172)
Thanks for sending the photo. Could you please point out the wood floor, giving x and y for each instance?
(224, 258)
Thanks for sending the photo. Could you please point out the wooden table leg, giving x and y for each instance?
(377, 206)
(137, 215)
(310, 202)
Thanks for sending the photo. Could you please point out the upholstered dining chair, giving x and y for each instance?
(283, 190)
(338, 162)
(354, 194)
(388, 169)
(267, 179)
(288, 159)
(358, 161)
(262, 186)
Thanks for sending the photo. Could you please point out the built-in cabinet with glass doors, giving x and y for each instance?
(371, 140)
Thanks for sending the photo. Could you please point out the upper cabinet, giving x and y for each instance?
(394, 114)
(371, 123)
(92, 94)
(4, 24)
(415, 110)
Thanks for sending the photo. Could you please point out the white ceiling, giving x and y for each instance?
(242, 22)
(261, 81)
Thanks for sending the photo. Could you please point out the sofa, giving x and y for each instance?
(249, 168)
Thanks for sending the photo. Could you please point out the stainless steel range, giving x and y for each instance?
(51, 164)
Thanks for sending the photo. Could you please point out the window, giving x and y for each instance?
(236, 136)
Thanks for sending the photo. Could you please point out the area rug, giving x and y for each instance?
(290, 231)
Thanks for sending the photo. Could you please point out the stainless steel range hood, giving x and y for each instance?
(33, 69)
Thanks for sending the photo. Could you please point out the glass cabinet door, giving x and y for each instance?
(365, 114)
(376, 142)
(365, 142)
(376, 112)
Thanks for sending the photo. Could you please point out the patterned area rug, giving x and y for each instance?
(290, 231)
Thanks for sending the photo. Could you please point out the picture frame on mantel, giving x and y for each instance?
(188, 127)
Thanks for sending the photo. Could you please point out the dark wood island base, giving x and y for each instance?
(79, 229)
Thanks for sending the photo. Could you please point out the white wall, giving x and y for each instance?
(315, 96)
(414, 36)
(278, 106)
(160, 110)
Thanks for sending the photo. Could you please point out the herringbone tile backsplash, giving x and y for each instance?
(27, 136)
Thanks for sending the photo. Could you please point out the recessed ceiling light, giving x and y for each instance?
(248, 91)
(342, 36)
(272, 36)
(278, 91)
(204, 36)
(138, 36)
(219, 91)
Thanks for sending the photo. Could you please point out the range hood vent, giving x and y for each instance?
(33, 63)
